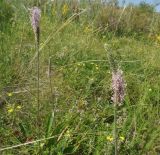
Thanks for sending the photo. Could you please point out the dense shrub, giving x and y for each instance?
(108, 19)
(133, 19)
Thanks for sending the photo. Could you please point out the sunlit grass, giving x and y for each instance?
(76, 107)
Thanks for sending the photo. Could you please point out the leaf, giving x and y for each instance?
(49, 124)
(23, 130)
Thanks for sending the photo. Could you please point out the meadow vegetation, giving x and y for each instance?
(76, 109)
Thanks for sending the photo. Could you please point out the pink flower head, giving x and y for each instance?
(35, 18)
(118, 86)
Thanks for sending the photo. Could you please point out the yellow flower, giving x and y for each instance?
(121, 138)
(65, 9)
(68, 134)
(97, 68)
(109, 138)
(91, 79)
(10, 110)
(87, 29)
(19, 107)
(41, 145)
(158, 38)
(150, 89)
(10, 94)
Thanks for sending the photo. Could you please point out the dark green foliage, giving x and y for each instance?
(6, 14)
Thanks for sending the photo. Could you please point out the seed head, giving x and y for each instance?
(118, 87)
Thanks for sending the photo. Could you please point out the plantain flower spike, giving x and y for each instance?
(35, 13)
(118, 87)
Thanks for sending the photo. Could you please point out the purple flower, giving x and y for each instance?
(35, 19)
(118, 87)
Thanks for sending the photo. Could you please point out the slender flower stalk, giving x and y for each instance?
(118, 88)
(35, 22)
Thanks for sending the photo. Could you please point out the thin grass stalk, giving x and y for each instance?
(49, 138)
(49, 75)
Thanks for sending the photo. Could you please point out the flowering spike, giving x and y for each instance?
(118, 86)
(35, 20)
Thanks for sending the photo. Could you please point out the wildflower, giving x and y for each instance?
(79, 64)
(35, 20)
(65, 9)
(68, 134)
(150, 89)
(10, 110)
(109, 138)
(92, 79)
(10, 94)
(158, 38)
(121, 138)
(118, 86)
(87, 29)
(19, 107)
(41, 145)
(97, 67)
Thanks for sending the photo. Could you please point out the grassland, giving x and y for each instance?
(76, 109)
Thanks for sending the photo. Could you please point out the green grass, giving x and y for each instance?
(75, 100)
